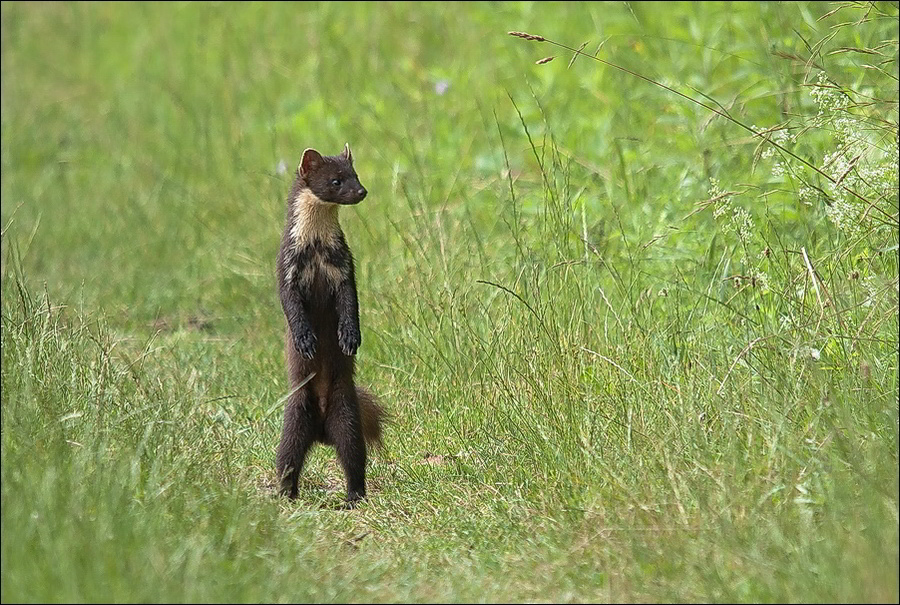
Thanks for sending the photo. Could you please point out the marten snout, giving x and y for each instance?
(353, 194)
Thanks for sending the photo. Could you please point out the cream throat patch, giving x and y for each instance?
(312, 219)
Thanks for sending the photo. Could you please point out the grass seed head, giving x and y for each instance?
(527, 36)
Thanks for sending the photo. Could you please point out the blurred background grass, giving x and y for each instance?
(593, 398)
(146, 141)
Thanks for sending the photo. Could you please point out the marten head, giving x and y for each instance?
(331, 178)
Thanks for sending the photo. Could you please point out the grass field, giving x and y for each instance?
(636, 349)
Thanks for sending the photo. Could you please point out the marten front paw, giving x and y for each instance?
(349, 338)
(305, 343)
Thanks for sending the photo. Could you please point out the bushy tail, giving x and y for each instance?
(373, 416)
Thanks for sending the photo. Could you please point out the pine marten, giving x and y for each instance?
(318, 294)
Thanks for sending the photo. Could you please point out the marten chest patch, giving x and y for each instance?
(317, 246)
(318, 260)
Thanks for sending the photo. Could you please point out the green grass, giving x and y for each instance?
(603, 389)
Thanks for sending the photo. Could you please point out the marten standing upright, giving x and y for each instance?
(318, 295)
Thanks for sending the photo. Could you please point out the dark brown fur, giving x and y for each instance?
(317, 287)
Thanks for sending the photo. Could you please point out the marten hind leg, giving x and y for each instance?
(301, 425)
(343, 427)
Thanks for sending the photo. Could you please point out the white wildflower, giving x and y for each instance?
(778, 170)
(723, 204)
(807, 195)
(760, 279)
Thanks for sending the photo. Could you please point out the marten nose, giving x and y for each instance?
(361, 192)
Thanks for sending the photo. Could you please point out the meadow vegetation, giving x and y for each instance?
(637, 346)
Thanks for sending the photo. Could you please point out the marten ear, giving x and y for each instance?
(311, 160)
(347, 155)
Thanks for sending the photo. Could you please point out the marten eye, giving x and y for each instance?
(336, 182)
